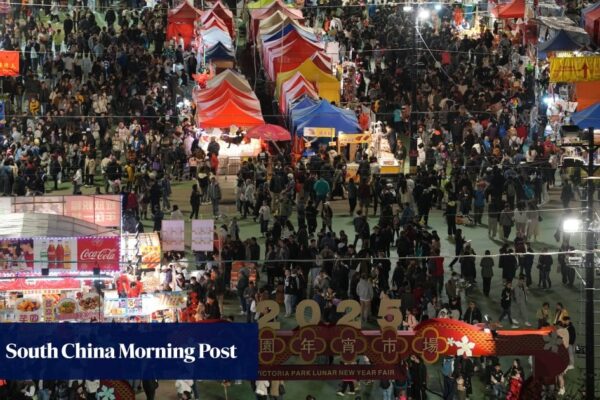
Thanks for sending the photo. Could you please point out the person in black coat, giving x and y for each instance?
(418, 373)
(150, 387)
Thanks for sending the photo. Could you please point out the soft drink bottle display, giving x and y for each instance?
(51, 255)
(60, 256)
(67, 255)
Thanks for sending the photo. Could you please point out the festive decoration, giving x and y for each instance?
(384, 349)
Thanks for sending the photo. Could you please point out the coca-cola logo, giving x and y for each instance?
(96, 255)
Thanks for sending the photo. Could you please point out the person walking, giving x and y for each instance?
(214, 194)
(545, 266)
(506, 303)
(291, 291)
(352, 195)
(572, 337)
(195, 201)
(493, 216)
(322, 189)
(520, 296)
(364, 291)
(249, 197)
(450, 215)
(487, 272)
(543, 315)
(327, 217)
(506, 222)
(150, 387)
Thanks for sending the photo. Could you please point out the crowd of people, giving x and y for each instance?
(96, 105)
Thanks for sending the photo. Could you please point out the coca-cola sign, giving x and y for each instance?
(101, 253)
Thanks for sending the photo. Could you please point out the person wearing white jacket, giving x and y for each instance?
(184, 388)
(262, 390)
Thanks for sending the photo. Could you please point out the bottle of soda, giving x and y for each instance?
(67, 255)
(51, 255)
(60, 256)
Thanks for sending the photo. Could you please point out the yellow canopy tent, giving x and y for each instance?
(327, 85)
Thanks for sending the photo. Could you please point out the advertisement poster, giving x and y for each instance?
(72, 306)
(98, 252)
(9, 63)
(17, 255)
(173, 235)
(27, 307)
(56, 254)
(146, 245)
(124, 307)
(203, 234)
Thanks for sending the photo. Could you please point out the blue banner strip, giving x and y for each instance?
(129, 351)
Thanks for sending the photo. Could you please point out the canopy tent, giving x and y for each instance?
(180, 21)
(227, 100)
(223, 13)
(591, 8)
(562, 41)
(275, 22)
(214, 21)
(219, 52)
(234, 78)
(257, 16)
(550, 26)
(327, 84)
(587, 93)
(514, 9)
(295, 88)
(229, 113)
(589, 117)
(217, 92)
(592, 24)
(284, 28)
(306, 109)
(328, 116)
(286, 57)
(213, 36)
(322, 60)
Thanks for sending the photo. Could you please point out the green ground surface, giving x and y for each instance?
(480, 242)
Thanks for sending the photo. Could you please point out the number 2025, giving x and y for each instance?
(389, 314)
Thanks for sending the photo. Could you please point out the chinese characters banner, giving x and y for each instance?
(98, 252)
(203, 234)
(99, 210)
(173, 235)
(575, 69)
(9, 63)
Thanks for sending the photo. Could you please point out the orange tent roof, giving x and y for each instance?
(229, 113)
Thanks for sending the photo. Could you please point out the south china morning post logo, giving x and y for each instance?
(129, 351)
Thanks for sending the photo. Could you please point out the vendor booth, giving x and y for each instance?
(181, 21)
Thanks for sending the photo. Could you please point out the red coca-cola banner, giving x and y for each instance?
(101, 253)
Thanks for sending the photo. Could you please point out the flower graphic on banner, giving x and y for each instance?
(307, 344)
(270, 346)
(552, 341)
(390, 346)
(349, 344)
(430, 344)
(106, 393)
(464, 346)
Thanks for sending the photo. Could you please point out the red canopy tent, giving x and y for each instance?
(213, 21)
(592, 25)
(229, 113)
(288, 53)
(181, 21)
(514, 9)
(293, 89)
(223, 13)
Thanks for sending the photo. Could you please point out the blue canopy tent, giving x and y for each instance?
(286, 30)
(220, 52)
(562, 41)
(588, 117)
(303, 106)
(329, 116)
